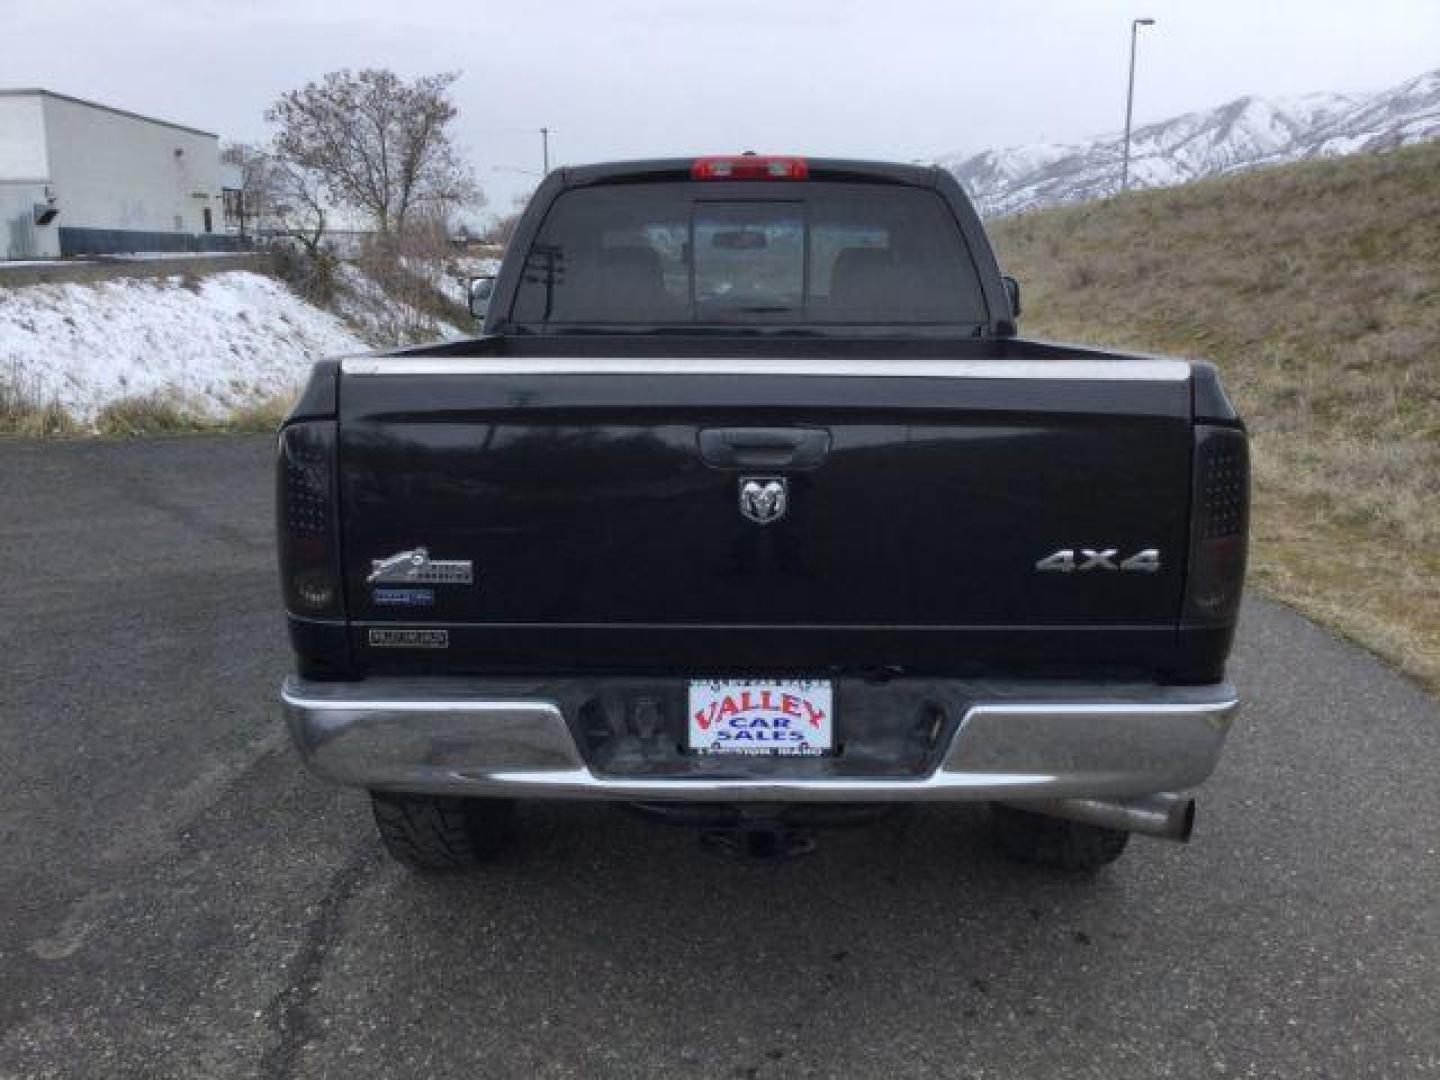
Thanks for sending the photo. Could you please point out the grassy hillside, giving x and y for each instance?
(1316, 290)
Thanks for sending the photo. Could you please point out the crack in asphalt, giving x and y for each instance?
(288, 1013)
(174, 817)
(142, 491)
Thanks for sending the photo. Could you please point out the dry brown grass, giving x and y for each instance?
(399, 288)
(141, 415)
(26, 413)
(27, 420)
(147, 414)
(261, 417)
(1316, 290)
(167, 414)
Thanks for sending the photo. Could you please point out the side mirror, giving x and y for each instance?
(481, 289)
(1012, 290)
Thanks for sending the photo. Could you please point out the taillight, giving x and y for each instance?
(307, 520)
(1219, 525)
(749, 167)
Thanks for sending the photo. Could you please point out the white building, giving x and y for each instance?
(78, 178)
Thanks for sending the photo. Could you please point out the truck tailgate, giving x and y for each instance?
(600, 506)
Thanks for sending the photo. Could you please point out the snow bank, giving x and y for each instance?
(222, 342)
(383, 318)
(449, 278)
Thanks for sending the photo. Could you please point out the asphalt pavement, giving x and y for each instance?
(178, 899)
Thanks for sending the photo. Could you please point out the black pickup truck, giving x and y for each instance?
(750, 509)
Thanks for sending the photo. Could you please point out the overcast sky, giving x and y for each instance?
(897, 79)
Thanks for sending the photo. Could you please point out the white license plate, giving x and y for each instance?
(762, 716)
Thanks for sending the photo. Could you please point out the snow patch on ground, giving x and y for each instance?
(383, 318)
(225, 342)
(162, 256)
(452, 279)
(26, 264)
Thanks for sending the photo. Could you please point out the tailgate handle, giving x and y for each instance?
(764, 448)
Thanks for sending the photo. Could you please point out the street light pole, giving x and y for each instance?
(545, 150)
(1135, 25)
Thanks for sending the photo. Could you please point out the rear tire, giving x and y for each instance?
(1054, 842)
(438, 833)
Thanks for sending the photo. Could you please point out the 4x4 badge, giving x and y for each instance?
(764, 499)
(1071, 560)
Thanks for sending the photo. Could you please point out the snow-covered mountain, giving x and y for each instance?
(1240, 134)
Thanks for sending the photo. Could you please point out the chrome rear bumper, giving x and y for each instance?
(455, 736)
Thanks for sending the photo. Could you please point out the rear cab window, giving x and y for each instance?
(716, 254)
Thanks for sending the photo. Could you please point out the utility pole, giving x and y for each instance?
(1135, 25)
(545, 151)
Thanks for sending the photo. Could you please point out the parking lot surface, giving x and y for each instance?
(177, 898)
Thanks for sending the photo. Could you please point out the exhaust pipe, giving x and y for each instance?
(1165, 816)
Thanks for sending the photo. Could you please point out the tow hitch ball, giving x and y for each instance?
(771, 839)
(760, 830)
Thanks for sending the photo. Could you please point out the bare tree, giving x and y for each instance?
(296, 205)
(502, 228)
(278, 197)
(379, 144)
(258, 183)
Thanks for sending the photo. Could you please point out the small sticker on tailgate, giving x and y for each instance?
(404, 597)
(394, 638)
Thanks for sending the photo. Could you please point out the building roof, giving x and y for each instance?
(36, 92)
